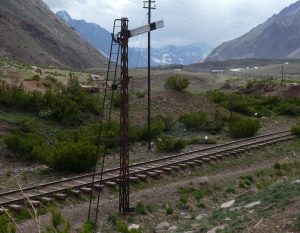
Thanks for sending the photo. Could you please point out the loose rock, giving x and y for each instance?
(228, 204)
(214, 230)
(172, 229)
(133, 226)
(251, 205)
(162, 226)
(203, 180)
(200, 216)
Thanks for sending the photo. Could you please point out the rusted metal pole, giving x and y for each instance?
(124, 122)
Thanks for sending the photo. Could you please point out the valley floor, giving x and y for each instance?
(224, 182)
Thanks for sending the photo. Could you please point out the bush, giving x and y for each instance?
(296, 130)
(123, 228)
(195, 120)
(201, 205)
(202, 121)
(169, 145)
(201, 141)
(23, 144)
(245, 181)
(35, 77)
(140, 94)
(88, 227)
(112, 219)
(230, 190)
(71, 156)
(251, 104)
(116, 100)
(159, 125)
(140, 208)
(184, 199)
(177, 83)
(6, 226)
(169, 209)
(298, 223)
(58, 222)
(243, 127)
(290, 109)
(67, 105)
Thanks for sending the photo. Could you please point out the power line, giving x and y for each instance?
(133, 48)
(192, 19)
(208, 13)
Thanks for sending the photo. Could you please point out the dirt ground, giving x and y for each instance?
(293, 91)
(158, 191)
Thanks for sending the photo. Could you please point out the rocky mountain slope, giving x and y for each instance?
(100, 38)
(32, 34)
(278, 37)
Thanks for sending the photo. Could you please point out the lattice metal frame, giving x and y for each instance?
(124, 121)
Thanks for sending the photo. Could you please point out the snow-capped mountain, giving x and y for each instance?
(172, 54)
(100, 38)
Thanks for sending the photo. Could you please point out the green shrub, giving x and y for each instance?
(140, 94)
(116, 100)
(201, 141)
(290, 109)
(67, 155)
(67, 105)
(201, 205)
(59, 224)
(51, 79)
(6, 226)
(169, 145)
(251, 104)
(230, 190)
(263, 183)
(73, 156)
(245, 181)
(296, 130)
(35, 77)
(112, 219)
(196, 193)
(140, 208)
(120, 226)
(243, 127)
(202, 121)
(169, 209)
(88, 227)
(23, 144)
(159, 125)
(123, 228)
(298, 222)
(183, 199)
(177, 83)
(195, 120)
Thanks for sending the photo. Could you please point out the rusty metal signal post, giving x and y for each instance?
(123, 38)
(124, 121)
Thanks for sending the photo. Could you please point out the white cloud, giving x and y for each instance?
(187, 21)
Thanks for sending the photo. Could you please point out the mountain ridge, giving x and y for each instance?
(277, 38)
(100, 38)
(31, 33)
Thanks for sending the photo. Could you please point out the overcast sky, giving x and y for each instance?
(186, 21)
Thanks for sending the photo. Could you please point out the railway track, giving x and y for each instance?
(59, 189)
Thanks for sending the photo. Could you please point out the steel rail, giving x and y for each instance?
(170, 161)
